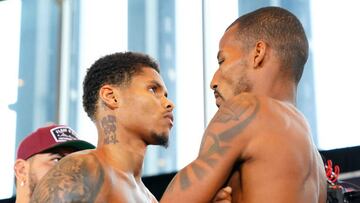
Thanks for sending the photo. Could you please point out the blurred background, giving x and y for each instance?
(47, 45)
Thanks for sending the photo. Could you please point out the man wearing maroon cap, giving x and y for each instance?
(39, 152)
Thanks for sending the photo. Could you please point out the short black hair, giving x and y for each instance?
(112, 69)
(282, 31)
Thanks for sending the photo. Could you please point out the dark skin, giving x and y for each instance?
(258, 142)
(128, 119)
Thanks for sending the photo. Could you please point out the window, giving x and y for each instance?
(48, 45)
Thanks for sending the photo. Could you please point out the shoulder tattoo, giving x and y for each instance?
(73, 180)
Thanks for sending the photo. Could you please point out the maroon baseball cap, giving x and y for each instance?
(49, 137)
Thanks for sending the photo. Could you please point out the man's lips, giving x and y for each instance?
(218, 98)
(169, 116)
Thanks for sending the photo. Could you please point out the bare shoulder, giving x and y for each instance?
(242, 105)
(277, 140)
(244, 133)
(281, 124)
(235, 119)
(248, 119)
(76, 178)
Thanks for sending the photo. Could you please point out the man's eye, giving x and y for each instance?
(152, 89)
(220, 61)
(56, 159)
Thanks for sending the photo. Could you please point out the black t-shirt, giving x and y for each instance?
(10, 200)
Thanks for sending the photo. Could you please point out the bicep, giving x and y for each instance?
(195, 183)
(72, 180)
(219, 151)
(201, 179)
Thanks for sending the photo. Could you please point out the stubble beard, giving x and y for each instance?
(243, 84)
(160, 139)
(33, 180)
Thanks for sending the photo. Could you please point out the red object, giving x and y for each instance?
(332, 175)
(50, 137)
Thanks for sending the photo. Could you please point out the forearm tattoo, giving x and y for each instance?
(108, 124)
(73, 180)
(242, 111)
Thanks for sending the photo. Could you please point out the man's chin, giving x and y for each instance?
(160, 139)
(218, 103)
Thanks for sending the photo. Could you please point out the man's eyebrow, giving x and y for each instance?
(154, 82)
(54, 153)
(57, 152)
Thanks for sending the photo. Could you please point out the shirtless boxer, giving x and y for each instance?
(126, 98)
(257, 142)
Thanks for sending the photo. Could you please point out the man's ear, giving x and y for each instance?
(21, 171)
(259, 53)
(108, 96)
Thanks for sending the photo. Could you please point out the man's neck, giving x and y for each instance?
(22, 194)
(286, 92)
(123, 158)
(124, 153)
(281, 90)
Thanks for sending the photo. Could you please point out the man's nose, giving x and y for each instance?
(213, 83)
(169, 104)
(213, 86)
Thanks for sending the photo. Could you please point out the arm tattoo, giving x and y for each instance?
(108, 123)
(198, 171)
(184, 180)
(234, 110)
(242, 111)
(73, 180)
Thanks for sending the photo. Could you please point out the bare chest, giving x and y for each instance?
(120, 189)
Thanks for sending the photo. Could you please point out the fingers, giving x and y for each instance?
(227, 189)
(224, 195)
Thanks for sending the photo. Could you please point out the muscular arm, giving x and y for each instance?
(73, 179)
(201, 179)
